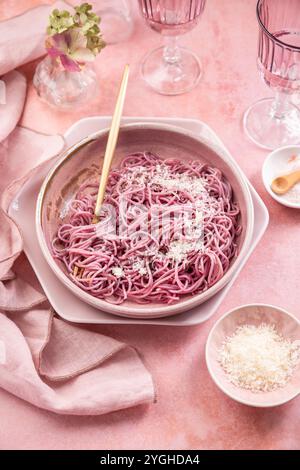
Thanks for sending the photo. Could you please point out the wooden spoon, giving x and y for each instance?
(109, 152)
(283, 184)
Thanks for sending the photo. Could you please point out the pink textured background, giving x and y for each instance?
(191, 412)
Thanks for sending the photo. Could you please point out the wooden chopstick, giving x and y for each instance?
(109, 153)
(111, 143)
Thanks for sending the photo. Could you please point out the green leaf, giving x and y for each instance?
(84, 19)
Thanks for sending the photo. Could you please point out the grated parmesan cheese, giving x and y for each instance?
(258, 358)
(117, 271)
(178, 182)
(162, 177)
(140, 267)
(178, 249)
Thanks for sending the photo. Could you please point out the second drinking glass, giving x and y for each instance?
(171, 69)
(274, 122)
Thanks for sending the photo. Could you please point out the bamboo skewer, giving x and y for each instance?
(109, 152)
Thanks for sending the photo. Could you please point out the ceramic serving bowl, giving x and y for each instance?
(280, 162)
(81, 163)
(255, 314)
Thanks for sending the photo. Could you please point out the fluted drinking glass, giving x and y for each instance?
(171, 69)
(274, 122)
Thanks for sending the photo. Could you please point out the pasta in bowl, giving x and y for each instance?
(176, 219)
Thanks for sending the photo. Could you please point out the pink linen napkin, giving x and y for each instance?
(48, 362)
(22, 37)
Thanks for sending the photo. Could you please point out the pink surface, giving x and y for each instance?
(191, 412)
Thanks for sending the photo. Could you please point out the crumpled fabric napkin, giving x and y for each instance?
(48, 362)
(22, 37)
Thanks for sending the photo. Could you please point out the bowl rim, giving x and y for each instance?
(136, 311)
(211, 369)
(266, 164)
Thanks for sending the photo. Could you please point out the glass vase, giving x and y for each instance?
(63, 88)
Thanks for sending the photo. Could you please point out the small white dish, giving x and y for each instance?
(280, 162)
(252, 314)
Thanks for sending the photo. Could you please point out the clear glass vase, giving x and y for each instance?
(63, 88)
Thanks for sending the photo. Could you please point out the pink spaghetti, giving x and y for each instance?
(168, 229)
